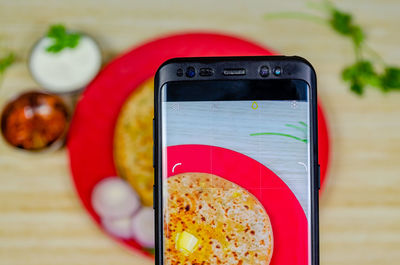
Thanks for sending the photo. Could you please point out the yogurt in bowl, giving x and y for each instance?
(68, 69)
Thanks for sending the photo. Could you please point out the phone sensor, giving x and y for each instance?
(277, 71)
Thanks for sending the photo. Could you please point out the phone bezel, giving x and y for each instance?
(293, 67)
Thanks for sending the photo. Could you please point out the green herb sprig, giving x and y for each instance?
(368, 69)
(6, 62)
(152, 251)
(61, 38)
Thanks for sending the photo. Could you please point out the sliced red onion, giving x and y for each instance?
(114, 198)
(143, 227)
(118, 227)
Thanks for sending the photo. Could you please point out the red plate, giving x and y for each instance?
(90, 139)
(289, 223)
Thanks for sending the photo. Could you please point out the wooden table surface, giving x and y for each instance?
(41, 219)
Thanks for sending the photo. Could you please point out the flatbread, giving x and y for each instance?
(230, 224)
(133, 141)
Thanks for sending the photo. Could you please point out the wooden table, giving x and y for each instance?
(41, 219)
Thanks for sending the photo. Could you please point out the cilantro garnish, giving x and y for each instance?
(368, 68)
(150, 250)
(61, 38)
(6, 62)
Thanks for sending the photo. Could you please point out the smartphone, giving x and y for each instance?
(236, 164)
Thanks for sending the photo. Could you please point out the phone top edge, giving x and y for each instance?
(293, 67)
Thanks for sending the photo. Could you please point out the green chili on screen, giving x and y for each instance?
(302, 129)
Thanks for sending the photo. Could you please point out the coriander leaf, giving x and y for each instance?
(341, 22)
(357, 35)
(61, 38)
(367, 74)
(362, 72)
(56, 31)
(359, 75)
(349, 73)
(391, 78)
(357, 87)
(6, 62)
(361, 69)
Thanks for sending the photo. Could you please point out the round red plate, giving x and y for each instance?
(90, 139)
(289, 223)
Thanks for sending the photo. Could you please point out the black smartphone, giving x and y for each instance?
(235, 158)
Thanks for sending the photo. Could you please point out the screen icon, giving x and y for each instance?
(214, 107)
(303, 164)
(175, 107)
(254, 105)
(177, 164)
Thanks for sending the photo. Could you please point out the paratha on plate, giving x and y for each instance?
(133, 141)
(210, 220)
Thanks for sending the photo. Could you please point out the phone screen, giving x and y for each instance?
(235, 172)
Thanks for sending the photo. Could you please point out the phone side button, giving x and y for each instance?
(319, 177)
(154, 138)
(154, 197)
(154, 129)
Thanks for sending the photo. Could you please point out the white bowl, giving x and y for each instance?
(67, 71)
